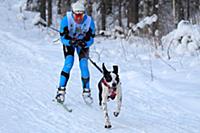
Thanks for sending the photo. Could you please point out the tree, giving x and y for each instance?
(174, 9)
(89, 7)
(103, 14)
(155, 11)
(109, 4)
(180, 11)
(42, 4)
(66, 5)
(120, 13)
(63, 6)
(28, 4)
(188, 10)
(59, 7)
(32, 5)
(132, 12)
(49, 12)
(146, 8)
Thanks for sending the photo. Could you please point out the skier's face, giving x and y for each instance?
(78, 17)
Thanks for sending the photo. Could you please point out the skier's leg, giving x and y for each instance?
(85, 75)
(69, 60)
(64, 76)
(83, 64)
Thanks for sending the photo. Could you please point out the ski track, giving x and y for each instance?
(30, 69)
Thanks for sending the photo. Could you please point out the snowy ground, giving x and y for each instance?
(30, 65)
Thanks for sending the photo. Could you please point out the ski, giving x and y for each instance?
(88, 100)
(64, 106)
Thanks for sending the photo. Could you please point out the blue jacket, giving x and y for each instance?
(66, 35)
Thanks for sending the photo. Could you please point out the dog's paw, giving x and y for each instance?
(101, 108)
(115, 114)
(108, 126)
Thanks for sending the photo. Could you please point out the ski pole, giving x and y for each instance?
(54, 29)
(44, 23)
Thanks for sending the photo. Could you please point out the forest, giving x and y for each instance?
(122, 15)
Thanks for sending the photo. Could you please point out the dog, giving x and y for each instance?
(110, 88)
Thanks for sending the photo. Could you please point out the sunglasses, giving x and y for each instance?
(78, 16)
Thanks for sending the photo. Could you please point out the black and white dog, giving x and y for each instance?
(110, 88)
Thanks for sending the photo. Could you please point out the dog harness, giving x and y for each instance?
(111, 90)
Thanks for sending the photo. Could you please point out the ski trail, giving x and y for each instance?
(142, 109)
(23, 100)
(30, 70)
(153, 107)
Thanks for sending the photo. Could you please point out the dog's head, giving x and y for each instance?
(111, 77)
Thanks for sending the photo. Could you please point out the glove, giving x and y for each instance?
(88, 35)
(73, 42)
(81, 43)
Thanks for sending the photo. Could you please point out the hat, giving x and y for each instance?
(78, 7)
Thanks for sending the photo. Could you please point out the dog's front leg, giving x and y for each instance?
(105, 111)
(119, 101)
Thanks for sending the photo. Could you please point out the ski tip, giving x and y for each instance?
(88, 100)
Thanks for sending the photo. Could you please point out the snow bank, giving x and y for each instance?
(184, 39)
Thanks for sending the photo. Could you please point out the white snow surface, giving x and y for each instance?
(30, 65)
(183, 40)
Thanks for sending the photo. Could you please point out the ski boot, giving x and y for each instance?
(87, 96)
(60, 97)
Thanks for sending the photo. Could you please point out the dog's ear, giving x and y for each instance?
(115, 69)
(104, 69)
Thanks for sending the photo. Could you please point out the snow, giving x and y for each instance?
(37, 19)
(30, 66)
(184, 39)
(149, 20)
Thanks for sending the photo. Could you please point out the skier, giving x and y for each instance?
(77, 32)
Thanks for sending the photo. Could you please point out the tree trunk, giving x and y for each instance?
(120, 13)
(89, 7)
(108, 6)
(103, 15)
(32, 5)
(180, 14)
(28, 4)
(59, 7)
(132, 14)
(147, 8)
(43, 9)
(155, 11)
(65, 6)
(188, 10)
(49, 12)
(174, 10)
(178, 11)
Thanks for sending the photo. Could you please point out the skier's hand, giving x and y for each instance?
(81, 43)
(73, 42)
